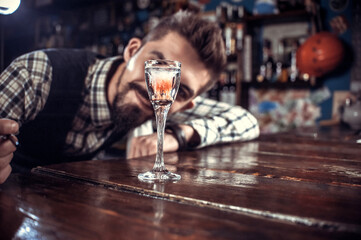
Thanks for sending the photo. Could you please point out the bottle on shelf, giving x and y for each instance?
(267, 68)
(293, 71)
(239, 37)
(262, 73)
(232, 99)
(230, 41)
(283, 78)
(293, 68)
(278, 72)
(227, 92)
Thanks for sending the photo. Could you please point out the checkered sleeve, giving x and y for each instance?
(24, 87)
(218, 122)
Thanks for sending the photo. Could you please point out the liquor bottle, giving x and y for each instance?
(267, 68)
(230, 40)
(293, 67)
(239, 37)
(223, 90)
(293, 71)
(232, 99)
(278, 73)
(228, 91)
(268, 60)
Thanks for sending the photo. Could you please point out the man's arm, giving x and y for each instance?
(25, 85)
(209, 122)
(216, 122)
(24, 88)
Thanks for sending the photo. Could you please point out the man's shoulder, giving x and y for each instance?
(73, 52)
(35, 63)
(37, 55)
(45, 53)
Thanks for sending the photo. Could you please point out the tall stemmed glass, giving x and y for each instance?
(162, 78)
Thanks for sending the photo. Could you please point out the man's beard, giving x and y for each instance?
(127, 116)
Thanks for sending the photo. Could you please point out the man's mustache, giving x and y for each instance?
(139, 89)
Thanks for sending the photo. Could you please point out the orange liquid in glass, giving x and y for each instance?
(162, 89)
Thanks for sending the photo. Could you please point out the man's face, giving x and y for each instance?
(194, 76)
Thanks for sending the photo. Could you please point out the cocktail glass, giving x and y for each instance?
(162, 78)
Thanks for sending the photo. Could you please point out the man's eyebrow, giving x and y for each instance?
(158, 54)
(187, 89)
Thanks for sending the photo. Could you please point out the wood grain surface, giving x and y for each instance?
(296, 185)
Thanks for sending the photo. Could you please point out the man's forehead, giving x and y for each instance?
(195, 79)
(158, 53)
(173, 46)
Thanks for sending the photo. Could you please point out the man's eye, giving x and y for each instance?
(182, 95)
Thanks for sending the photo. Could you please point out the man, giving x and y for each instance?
(67, 105)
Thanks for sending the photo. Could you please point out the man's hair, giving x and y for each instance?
(203, 35)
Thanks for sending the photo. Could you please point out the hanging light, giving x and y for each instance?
(8, 6)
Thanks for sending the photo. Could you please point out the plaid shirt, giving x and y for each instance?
(25, 86)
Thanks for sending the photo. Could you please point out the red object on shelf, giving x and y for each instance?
(320, 54)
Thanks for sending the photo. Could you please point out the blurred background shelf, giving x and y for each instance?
(251, 37)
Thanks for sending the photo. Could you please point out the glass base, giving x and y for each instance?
(158, 176)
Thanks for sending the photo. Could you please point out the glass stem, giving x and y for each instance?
(161, 113)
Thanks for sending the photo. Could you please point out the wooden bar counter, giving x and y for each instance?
(304, 184)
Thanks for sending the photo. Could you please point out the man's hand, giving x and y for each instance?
(7, 147)
(147, 145)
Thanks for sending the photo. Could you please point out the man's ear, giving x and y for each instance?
(132, 47)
